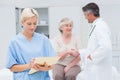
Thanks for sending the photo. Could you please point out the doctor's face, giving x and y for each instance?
(88, 16)
(30, 25)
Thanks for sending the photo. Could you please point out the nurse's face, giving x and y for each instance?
(30, 25)
(88, 16)
(67, 28)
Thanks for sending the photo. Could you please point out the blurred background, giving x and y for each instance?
(51, 12)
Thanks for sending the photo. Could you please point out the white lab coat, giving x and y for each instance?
(100, 49)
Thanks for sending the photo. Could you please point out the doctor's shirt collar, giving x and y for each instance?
(97, 21)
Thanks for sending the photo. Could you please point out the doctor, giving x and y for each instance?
(97, 55)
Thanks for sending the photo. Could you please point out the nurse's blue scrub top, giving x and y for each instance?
(21, 51)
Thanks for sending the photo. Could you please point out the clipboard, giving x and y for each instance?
(42, 60)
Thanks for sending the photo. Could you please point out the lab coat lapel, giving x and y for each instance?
(92, 29)
(94, 25)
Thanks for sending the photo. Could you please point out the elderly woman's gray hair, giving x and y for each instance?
(63, 22)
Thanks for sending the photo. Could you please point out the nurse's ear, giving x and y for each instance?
(22, 24)
(60, 29)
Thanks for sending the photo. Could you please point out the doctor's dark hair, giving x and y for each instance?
(93, 7)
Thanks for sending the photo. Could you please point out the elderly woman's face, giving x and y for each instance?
(30, 25)
(67, 28)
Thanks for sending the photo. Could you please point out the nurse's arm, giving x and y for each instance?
(20, 67)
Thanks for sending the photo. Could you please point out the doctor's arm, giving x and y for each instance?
(103, 46)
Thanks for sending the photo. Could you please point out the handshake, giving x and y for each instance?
(72, 52)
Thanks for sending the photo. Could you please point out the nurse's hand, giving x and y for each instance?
(31, 64)
(42, 67)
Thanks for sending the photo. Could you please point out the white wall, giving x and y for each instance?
(107, 8)
(57, 13)
(42, 3)
(7, 30)
(111, 14)
(110, 10)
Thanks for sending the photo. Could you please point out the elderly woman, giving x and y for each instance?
(67, 67)
(27, 45)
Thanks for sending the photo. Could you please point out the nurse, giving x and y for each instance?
(97, 55)
(27, 45)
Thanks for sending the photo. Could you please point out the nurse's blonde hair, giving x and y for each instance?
(28, 13)
(63, 22)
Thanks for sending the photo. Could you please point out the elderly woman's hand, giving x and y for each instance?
(74, 52)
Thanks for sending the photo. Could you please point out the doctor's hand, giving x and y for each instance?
(89, 57)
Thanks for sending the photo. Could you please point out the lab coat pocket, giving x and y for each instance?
(89, 64)
(90, 70)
